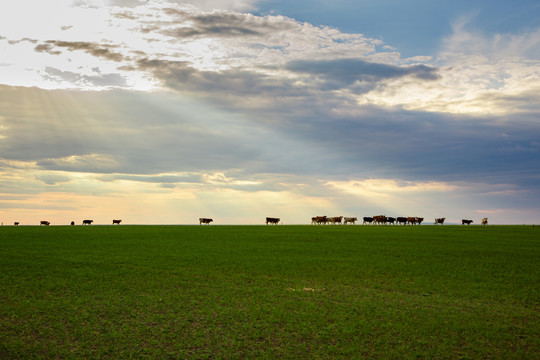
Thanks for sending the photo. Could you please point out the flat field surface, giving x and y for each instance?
(446, 292)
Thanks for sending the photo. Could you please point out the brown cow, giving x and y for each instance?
(379, 219)
(274, 221)
(411, 220)
(318, 220)
(484, 221)
(468, 222)
(335, 220)
(206, 221)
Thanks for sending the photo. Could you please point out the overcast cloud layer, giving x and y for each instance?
(165, 111)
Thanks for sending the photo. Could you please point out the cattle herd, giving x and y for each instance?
(322, 220)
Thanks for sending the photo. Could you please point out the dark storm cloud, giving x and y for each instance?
(94, 49)
(344, 72)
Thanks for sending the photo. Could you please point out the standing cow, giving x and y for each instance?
(116, 221)
(206, 221)
(439, 221)
(87, 222)
(484, 221)
(273, 221)
(348, 220)
(44, 222)
(464, 221)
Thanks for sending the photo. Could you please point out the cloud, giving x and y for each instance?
(98, 50)
(342, 73)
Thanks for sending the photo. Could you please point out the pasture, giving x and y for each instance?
(446, 292)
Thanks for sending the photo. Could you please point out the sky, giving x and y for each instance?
(161, 112)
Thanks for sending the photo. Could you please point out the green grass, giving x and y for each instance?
(447, 292)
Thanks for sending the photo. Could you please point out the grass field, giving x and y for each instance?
(447, 292)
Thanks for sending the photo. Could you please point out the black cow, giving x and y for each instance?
(401, 220)
(87, 222)
(205, 221)
(367, 219)
(274, 221)
(468, 222)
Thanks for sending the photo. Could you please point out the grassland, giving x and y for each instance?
(447, 292)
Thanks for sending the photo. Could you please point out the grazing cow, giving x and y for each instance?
(274, 221)
(368, 220)
(44, 222)
(351, 220)
(116, 221)
(468, 222)
(439, 221)
(401, 220)
(206, 221)
(391, 220)
(72, 223)
(87, 222)
(484, 222)
(16, 223)
(379, 219)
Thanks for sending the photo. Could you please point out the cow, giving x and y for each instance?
(367, 219)
(411, 220)
(206, 221)
(72, 223)
(419, 220)
(391, 220)
(274, 221)
(401, 220)
(318, 220)
(87, 222)
(44, 222)
(116, 221)
(379, 219)
(16, 223)
(335, 220)
(464, 221)
(351, 220)
(484, 221)
(439, 221)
